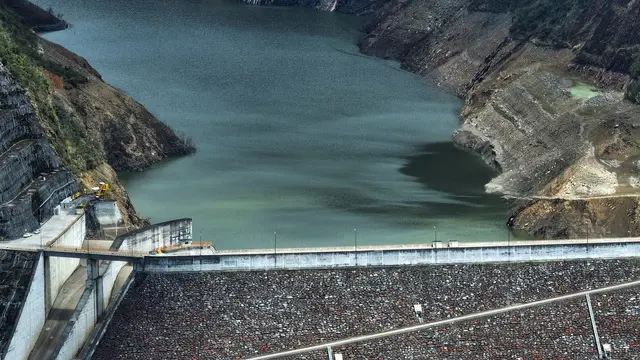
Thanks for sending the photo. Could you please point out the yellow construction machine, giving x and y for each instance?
(102, 190)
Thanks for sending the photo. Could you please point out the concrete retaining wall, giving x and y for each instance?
(109, 276)
(79, 327)
(155, 236)
(422, 256)
(107, 212)
(26, 211)
(59, 269)
(32, 317)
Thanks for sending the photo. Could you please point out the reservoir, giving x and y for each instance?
(301, 139)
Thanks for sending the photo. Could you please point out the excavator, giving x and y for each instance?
(102, 190)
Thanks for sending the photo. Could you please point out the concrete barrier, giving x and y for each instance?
(394, 257)
(59, 269)
(79, 327)
(152, 237)
(109, 273)
(31, 318)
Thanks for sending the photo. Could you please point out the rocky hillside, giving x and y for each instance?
(545, 84)
(63, 129)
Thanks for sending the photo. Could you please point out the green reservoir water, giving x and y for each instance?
(296, 131)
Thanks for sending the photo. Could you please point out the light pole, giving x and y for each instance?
(355, 244)
(509, 241)
(587, 239)
(275, 249)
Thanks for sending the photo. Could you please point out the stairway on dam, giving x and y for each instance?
(32, 179)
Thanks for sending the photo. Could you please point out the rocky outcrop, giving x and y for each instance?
(122, 131)
(564, 151)
(63, 129)
(23, 162)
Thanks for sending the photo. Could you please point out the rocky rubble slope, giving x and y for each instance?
(545, 85)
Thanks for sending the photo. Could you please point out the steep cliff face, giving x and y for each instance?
(62, 129)
(120, 130)
(528, 70)
(32, 181)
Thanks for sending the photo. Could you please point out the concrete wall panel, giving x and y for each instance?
(59, 269)
(107, 212)
(421, 256)
(81, 327)
(31, 319)
(109, 279)
(155, 236)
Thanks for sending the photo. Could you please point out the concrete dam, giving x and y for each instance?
(152, 293)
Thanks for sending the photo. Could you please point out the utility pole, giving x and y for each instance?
(509, 242)
(587, 240)
(355, 244)
(435, 234)
(275, 250)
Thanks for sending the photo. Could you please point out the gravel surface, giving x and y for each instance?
(617, 314)
(234, 315)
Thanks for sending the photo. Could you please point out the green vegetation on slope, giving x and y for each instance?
(19, 54)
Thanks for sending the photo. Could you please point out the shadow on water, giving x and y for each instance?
(453, 182)
(459, 178)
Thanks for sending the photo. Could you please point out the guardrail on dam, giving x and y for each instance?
(390, 256)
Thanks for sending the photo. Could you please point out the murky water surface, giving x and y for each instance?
(296, 131)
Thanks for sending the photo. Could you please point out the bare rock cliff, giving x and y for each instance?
(545, 84)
